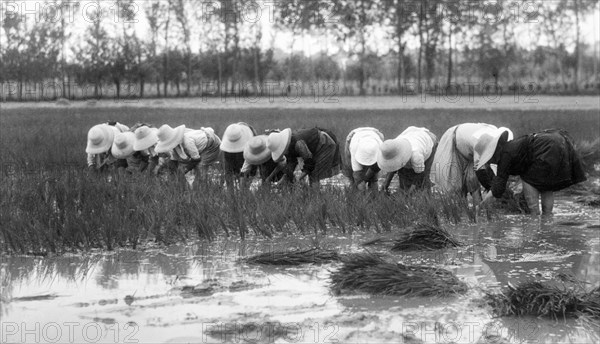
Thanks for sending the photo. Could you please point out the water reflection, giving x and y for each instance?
(155, 288)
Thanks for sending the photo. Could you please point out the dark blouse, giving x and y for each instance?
(514, 159)
(303, 144)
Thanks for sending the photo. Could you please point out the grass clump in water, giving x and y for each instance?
(545, 300)
(368, 273)
(425, 237)
(295, 257)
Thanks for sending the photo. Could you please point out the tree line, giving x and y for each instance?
(162, 48)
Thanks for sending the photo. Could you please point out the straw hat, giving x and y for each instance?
(394, 154)
(256, 151)
(278, 143)
(366, 151)
(169, 138)
(235, 138)
(486, 146)
(100, 138)
(145, 137)
(122, 146)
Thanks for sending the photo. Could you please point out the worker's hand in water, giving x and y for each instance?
(488, 198)
(361, 186)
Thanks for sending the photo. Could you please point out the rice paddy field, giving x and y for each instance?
(132, 258)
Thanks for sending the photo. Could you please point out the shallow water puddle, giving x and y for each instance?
(204, 293)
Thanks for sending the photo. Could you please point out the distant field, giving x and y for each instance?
(57, 135)
(464, 101)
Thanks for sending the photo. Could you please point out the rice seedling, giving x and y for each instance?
(368, 273)
(589, 151)
(425, 237)
(546, 300)
(295, 257)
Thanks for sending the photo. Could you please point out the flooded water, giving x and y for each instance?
(204, 292)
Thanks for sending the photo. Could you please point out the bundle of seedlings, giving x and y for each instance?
(295, 257)
(592, 200)
(545, 300)
(589, 151)
(235, 332)
(368, 273)
(586, 194)
(425, 237)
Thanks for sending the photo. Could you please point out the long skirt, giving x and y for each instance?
(451, 171)
(555, 163)
(327, 158)
(233, 163)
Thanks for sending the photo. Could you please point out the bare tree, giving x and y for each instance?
(181, 14)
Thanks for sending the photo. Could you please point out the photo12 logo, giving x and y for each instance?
(269, 332)
(69, 332)
(69, 11)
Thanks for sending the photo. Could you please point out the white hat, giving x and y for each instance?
(366, 150)
(100, 138)
(122, 146)
(394, 154)
(235, 138)
(486, 146)
(278, 143)
(145, 137)
(256, 151)
(169, 138)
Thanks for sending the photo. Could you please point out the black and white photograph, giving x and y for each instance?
(300, 171)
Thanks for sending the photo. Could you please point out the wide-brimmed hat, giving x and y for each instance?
(100, 138)
(486, 146)
(235, 138)
(366, 150)
(278, 143)
(394, 154)
(145, 137)
(256, 151)
(169, 138)
(122, 146)
(510, 133)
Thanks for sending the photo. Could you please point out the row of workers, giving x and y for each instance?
(468, 156)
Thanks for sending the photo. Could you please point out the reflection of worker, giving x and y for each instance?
(588, 269)
(479, 273)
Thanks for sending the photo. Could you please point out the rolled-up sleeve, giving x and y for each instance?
(90, 160)
(246, 167)
(418, 162)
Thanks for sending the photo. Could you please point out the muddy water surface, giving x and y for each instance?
(204, 292)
